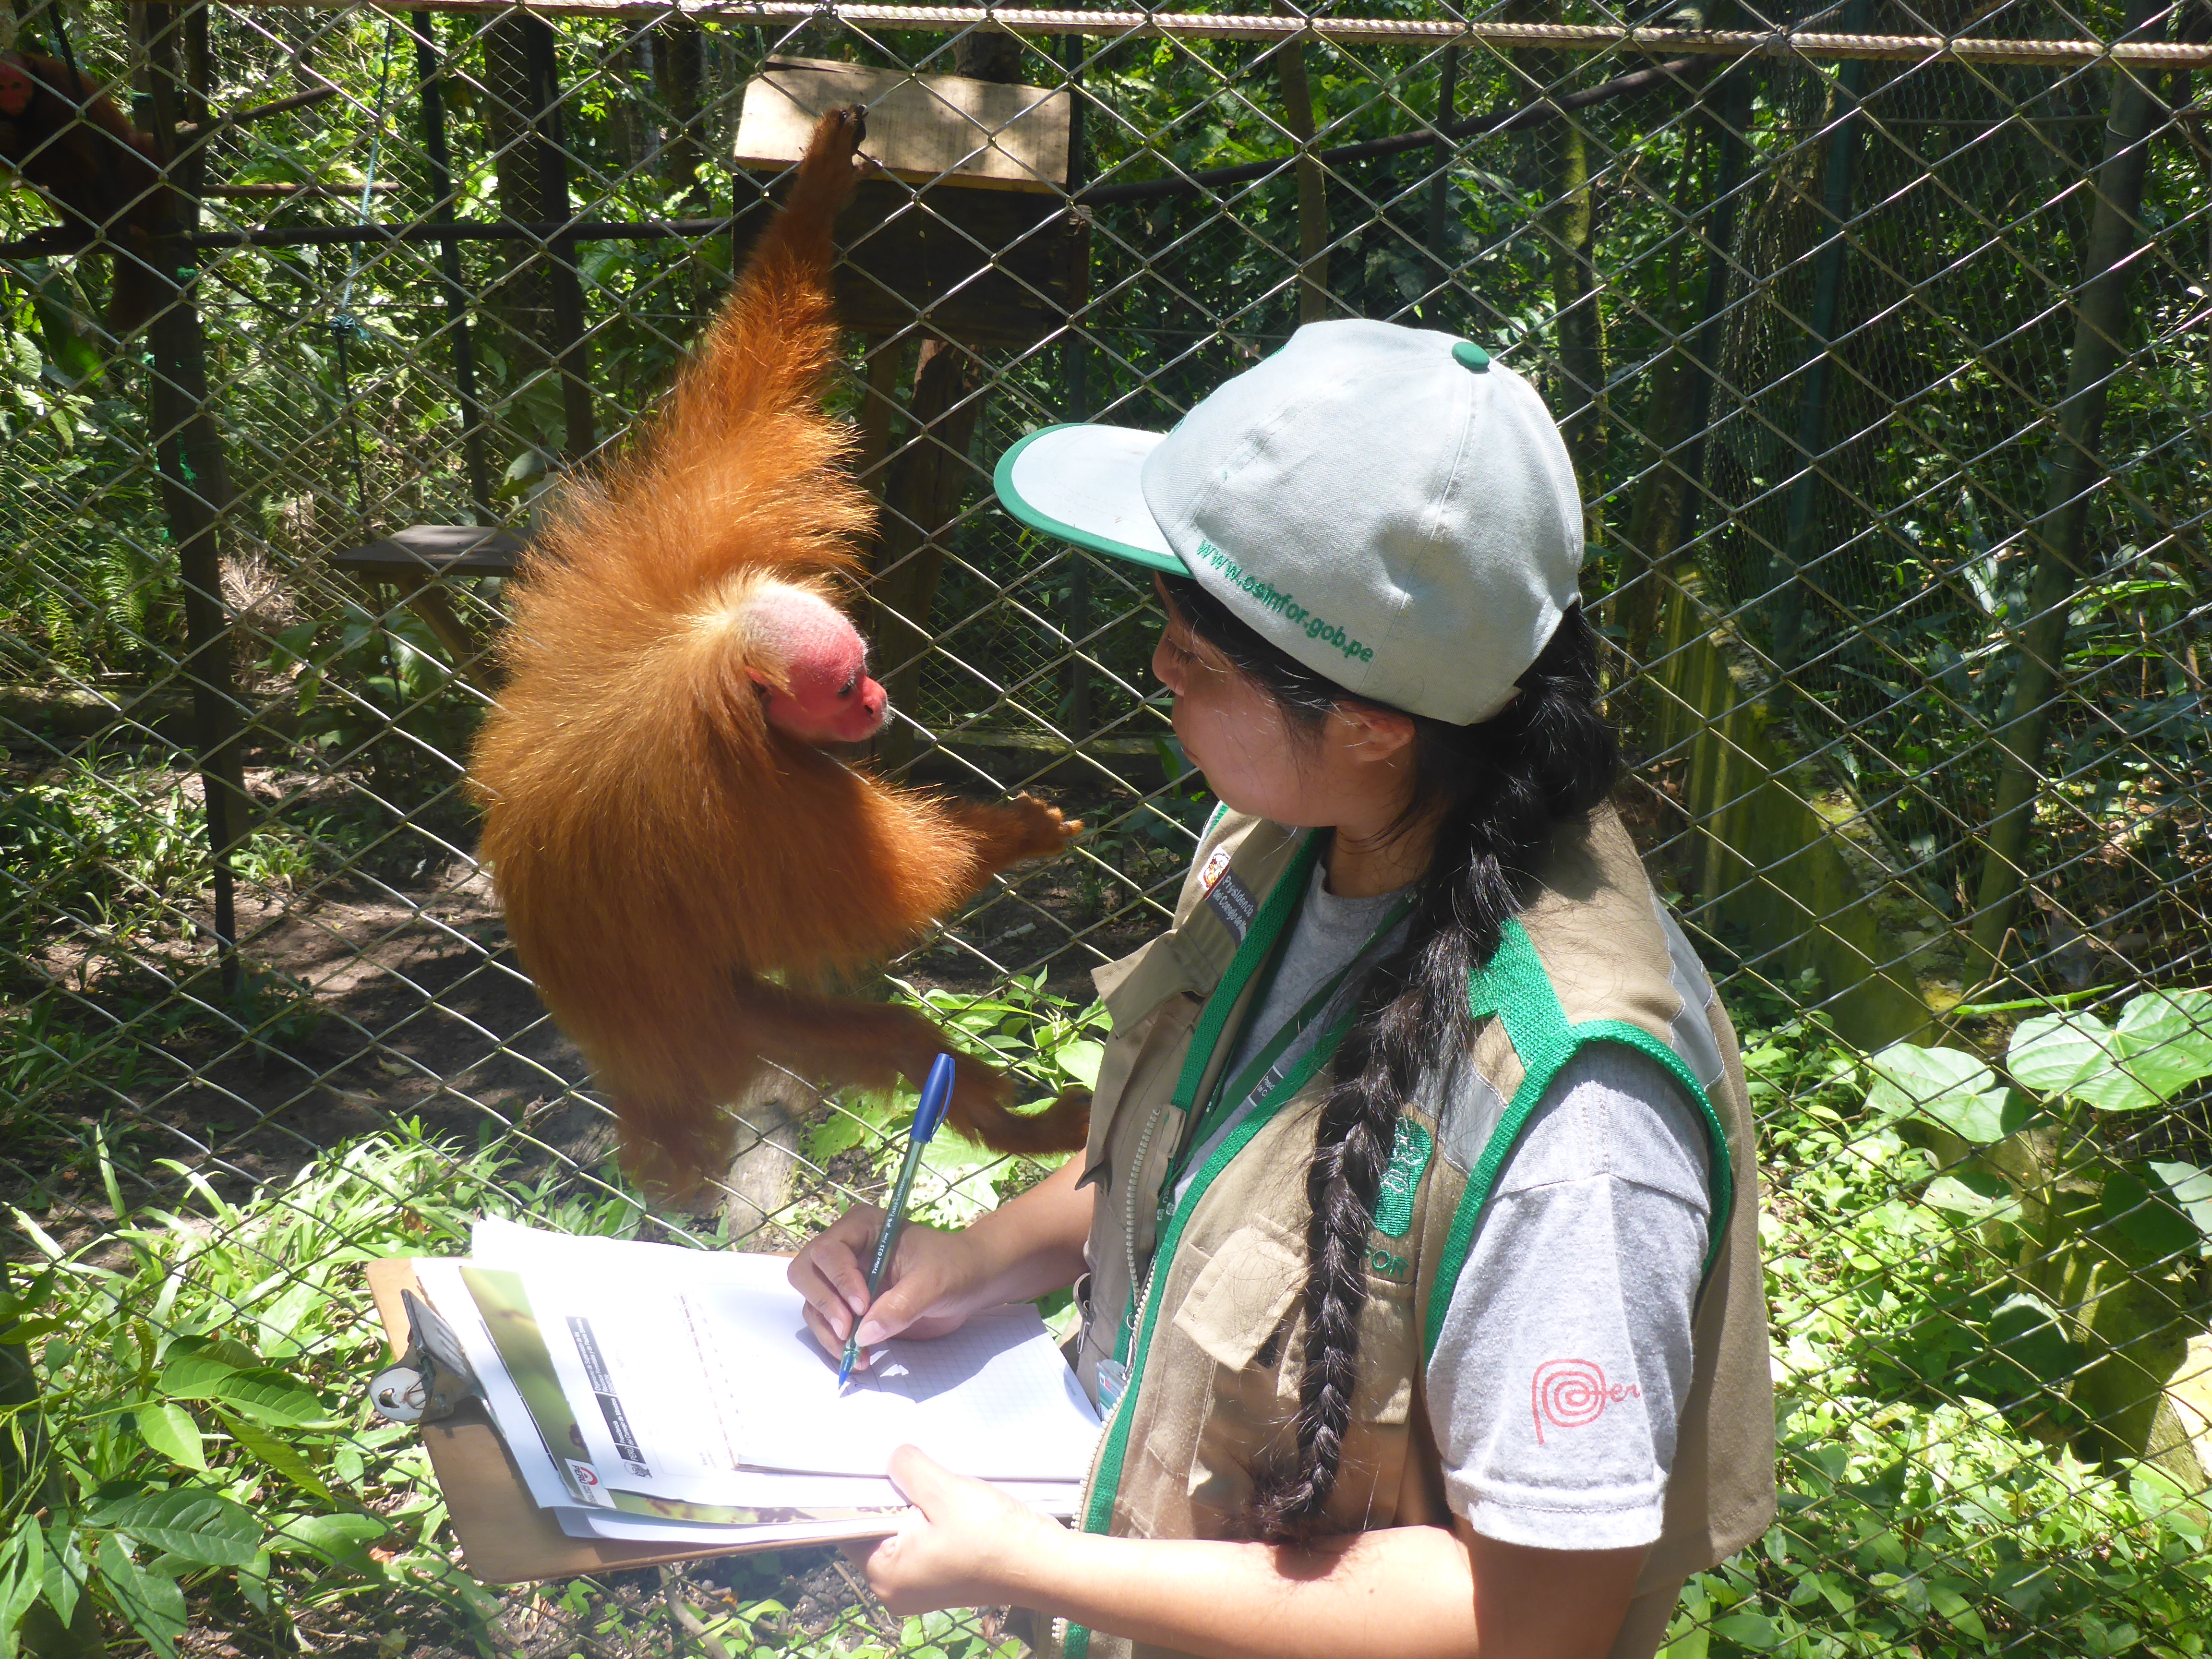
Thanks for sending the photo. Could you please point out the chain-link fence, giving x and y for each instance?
(1879, 337)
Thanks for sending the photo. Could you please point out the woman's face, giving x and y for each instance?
(1350, 774)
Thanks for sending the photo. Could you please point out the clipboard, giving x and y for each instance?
(506, 1538)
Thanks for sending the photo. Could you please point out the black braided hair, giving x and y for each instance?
(1497, 792)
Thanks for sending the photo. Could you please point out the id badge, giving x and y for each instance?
(1112, 1378)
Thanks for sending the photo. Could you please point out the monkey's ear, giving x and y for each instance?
(774, 677)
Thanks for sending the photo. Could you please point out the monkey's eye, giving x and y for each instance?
(851, 685)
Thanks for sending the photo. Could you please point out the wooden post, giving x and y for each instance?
(440, 181)
(1313, 187)
(2100, 318)
(572, 358)
(1819, 361)
(1440, 182)
(194, 478)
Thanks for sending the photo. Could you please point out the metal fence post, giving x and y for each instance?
(2100, 318)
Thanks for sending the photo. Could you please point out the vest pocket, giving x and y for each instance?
(1240, 1296)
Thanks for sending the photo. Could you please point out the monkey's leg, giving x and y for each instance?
(863, 1043)
(834, 1040)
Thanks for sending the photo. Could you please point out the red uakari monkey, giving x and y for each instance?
(62, 134)
(683, 869)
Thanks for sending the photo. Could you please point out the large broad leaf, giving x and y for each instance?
(150, 1604)
(2051, 1053)
(190, 1522)
(1973, 1194)
(195, 1375)
(2192, 1188)
(2142, 1210)
(2165, 1039)
(1941, 1084)
(2025, 1330)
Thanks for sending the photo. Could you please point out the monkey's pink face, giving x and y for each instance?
(14, 86)
(831, 699)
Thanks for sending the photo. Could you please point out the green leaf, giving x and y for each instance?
(840, 1132)
(2192, 1188)
(150, 1604)
(2051, 1053)
(272, 1397)
(287, 1460)
(1957, 1611)
(191, 1522)
(194, 1376)
(2144, 1213)
(169, 1429)
(2025, 1330)
(1080, 1060)
(1964, 1194)
(65, 1571)
(22, 1575)
(2165, 1040)
(1747, 1630)
(1941, 1084)
(333, 1537)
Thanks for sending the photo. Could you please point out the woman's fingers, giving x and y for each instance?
(955, 1548)
(829, 1273)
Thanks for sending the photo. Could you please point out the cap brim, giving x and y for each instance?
(1082, 484)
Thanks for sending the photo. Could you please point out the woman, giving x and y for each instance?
(1416, 1240)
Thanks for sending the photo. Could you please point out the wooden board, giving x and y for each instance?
(996, 267)
(926, 129)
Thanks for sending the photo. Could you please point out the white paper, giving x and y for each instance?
(688, 1370)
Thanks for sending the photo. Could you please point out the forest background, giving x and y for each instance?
(1887, 382)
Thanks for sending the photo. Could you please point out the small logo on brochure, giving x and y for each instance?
(1573, 1394)
(587, 1484)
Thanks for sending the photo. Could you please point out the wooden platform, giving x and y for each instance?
(429, 550)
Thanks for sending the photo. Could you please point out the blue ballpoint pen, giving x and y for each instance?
(936, 1094)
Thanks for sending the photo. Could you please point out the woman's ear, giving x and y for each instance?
(1371, 735)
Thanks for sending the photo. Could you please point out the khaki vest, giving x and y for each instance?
(1213, 1351)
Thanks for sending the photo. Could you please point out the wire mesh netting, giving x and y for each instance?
(1885, 381)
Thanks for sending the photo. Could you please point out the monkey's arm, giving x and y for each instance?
(1006, 832)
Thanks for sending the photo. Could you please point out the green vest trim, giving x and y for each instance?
(1515, 988)
(1099, 1518)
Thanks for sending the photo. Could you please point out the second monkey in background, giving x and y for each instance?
(663, 830)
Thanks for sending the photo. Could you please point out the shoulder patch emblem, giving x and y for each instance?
(1214, 867)
(1409, 1160)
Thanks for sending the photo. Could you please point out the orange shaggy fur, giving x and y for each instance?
(659, 848)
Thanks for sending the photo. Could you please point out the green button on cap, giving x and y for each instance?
(1468, 355)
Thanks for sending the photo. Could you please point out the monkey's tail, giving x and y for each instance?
(1062, 1127)
(136, 290)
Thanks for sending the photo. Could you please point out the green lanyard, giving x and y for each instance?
(1258, 951)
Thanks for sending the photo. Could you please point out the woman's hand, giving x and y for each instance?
(930, 1286)
(1028, 1246)
(965, 1544)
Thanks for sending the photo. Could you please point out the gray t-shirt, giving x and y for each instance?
(1558, 1375)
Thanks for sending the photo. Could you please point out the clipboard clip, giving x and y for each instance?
(432, 1379)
